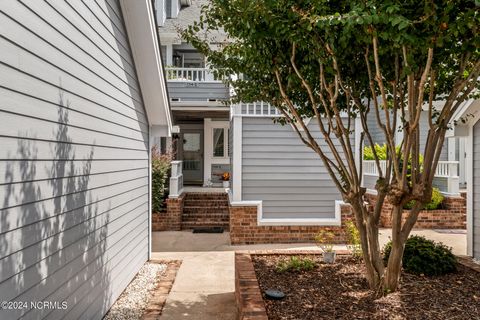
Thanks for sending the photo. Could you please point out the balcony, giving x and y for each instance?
(187, 85)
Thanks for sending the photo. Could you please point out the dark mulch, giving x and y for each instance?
(340, 291)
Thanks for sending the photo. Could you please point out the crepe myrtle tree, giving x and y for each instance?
(386, 59)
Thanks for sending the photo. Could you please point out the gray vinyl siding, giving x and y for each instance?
(369, 181)
(197, 91)
(423, 137)
(378, 136)
(74, 158)
(278, 169)
(476, 190)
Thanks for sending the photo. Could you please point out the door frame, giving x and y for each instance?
(193, 128)
(208, 158)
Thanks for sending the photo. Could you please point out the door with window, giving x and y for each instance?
(191, 153)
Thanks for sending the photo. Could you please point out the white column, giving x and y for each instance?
(169, 54)
(451, 145)
(463, 172)
(207, 150)
(237, 158)
(469, 163)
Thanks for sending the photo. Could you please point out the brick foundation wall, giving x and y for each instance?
(171, 220)
(453, 216)
(244, 228)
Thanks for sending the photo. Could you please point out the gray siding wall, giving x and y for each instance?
(197, 91)
(379, 137)
(369, 181)
(376, 132)
(423, 137)
(278, 169)
(74, 158)
(476, 190)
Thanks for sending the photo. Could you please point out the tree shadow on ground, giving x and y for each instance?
(219, 306)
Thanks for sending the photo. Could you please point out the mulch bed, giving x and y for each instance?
(339, 291)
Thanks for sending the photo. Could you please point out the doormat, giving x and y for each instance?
(208, 230)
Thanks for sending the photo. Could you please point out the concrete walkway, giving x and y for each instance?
(205, 283)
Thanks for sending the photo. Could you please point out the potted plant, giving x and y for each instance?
(226, 179)
(324, 240)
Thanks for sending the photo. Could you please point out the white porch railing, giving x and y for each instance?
(446, 170)
(370, 167)
(259, 109)
(191, 74)
(176, 180)
(255, 109)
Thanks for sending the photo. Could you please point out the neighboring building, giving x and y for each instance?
(470, 131)
(284, 181)
(451, 170)
(279, 190)
(196, 97)
(81, 94)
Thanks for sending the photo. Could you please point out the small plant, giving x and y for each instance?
(437, 199)
(324, 240)
(353, 238)
(296, 264)
(423, 256)
(160, 171)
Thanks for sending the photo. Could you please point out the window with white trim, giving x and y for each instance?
(220, 142)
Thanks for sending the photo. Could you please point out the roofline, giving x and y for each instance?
(144, 42)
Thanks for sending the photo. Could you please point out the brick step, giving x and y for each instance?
(203, 210)
(205, 203)
(206, 196)
(205, 215)
(206, 218)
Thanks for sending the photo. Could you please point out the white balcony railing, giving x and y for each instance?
(176, 180)
(446, 170)
(175, 74)
(255, 109)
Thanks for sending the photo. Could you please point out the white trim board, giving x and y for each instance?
(208, 158)
(261, 221)
(237, 158)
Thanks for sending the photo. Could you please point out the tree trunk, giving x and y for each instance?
(368, 230)
(394, 265)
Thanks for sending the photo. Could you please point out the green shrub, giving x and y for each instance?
(423, 256)
(296, 264)
(437, 199)
(353, 239)
(160, 171)
(380, 149)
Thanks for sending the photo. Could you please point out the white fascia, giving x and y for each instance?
(144, 43)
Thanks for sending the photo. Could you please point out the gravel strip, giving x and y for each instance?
(134, 300)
